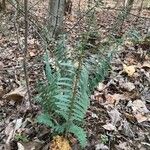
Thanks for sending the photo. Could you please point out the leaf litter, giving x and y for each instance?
(119, 106)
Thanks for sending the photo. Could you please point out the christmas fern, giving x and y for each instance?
(64, 95)
(64, 98)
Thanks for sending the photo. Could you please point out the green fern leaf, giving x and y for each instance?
(79, 133)
(46, 120)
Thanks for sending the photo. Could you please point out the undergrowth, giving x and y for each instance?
(71, 75)
(64, 95)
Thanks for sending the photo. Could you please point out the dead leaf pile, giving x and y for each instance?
(60, 143)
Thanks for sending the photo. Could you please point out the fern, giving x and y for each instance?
(64, 95)
(45, 119)
(80, 133)
(98, 70)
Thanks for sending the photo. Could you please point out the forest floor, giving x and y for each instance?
(119, 114)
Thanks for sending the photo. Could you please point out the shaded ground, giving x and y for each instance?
(118, 117)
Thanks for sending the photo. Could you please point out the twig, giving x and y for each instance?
(25, 50)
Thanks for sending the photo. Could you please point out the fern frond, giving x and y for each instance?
(79, 133)
(59, 129)
(45, 119)
(49, 89)
(60, 52)
(101, 71)
(82, 100)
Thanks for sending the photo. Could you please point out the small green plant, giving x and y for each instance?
(64, 95)
(21, 137)
(104, 139)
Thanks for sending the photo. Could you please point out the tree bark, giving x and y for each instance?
(3, 5)
(56, 16)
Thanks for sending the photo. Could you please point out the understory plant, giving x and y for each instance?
(64, 95)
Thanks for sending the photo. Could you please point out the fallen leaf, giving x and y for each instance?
(94, 115)
(101, 147)
(115, 116)
(122, 146)
(97, 96)
(140, 118)
(100, 86)
(31, 41)
(109, 127)
(32, 54)
(130, 117)
(35, 145)
(20, 146)
(140, 110)
(16, 95)
(146, 64)
(130, 70)
(18, 123)
(114, 99)
(60, 143)
(110, 99)
(126, 129)
(139, 106)
(129, 86)
(9, 128)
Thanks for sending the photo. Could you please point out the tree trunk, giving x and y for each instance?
(3, 5)
(56, 16)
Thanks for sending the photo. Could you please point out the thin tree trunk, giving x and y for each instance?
(56, 16)
(3, 5)
(26, 50)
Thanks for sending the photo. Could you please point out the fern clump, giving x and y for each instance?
(64, 95)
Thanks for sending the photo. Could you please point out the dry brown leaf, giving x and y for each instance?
(31, 41)
(114, 99)
(72, 18)
(16, 95)
(34, 145)
(122, 146)
(127, 129)
(130, 70)
(130, 117)
(101, 147)
(129, 86)
(110, 99)
(146, 64)
(60, 143)
(97, 96)
(9, 128)
(139, 106)
(140, 110)
(140, 118)
(109, 127)
(32, 54)
(115, 116)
